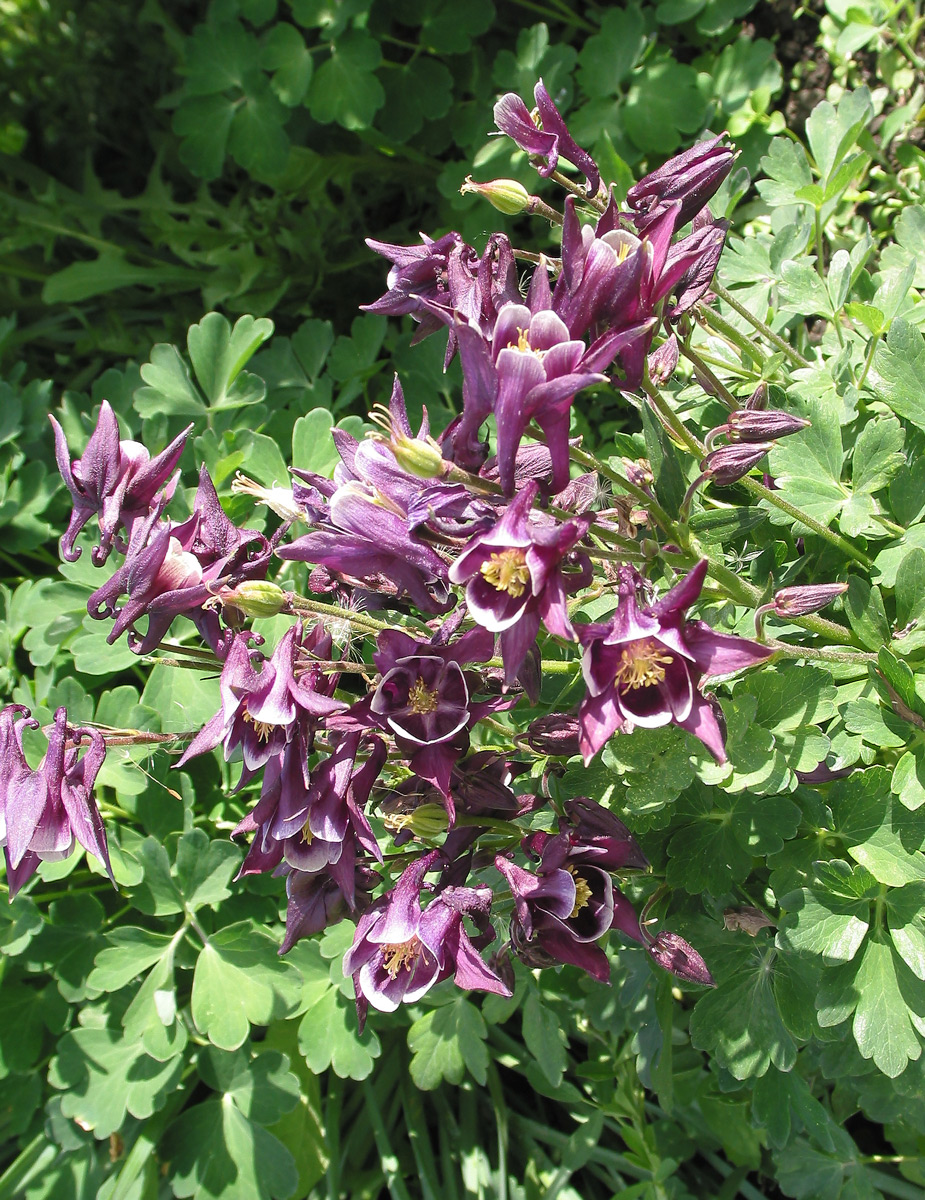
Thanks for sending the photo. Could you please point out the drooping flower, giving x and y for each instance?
(545, 135)
(450, 272)
(399, 951)
(48, 810)
(315, 901)
(115, 480)
(646, 667)
(261, 708)
(514, 576)
(313, 822)
(728, 464)
(172, 569)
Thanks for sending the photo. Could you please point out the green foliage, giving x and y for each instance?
(153, 1041)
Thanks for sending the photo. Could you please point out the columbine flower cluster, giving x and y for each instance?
(466, 556)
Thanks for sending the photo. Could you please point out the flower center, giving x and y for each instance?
(399, 956)
(307, 834)
(582, 892)
(642, 664)
(507, 571)
(262, 728)
(523, 344)
(422, 699)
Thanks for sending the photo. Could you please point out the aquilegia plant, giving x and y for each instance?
(398, 776)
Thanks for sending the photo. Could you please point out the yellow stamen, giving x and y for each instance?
(507, 571)
(642, 664)
(582, 892)
(400, 956)
(261, 728)
(396, 822)
(307, 834)
(422, 699)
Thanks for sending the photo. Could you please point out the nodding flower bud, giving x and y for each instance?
(506, 195)
(254, 598)
(729, 464)
(663, 361)
(747, 425)
(556, 733)
(799, 601)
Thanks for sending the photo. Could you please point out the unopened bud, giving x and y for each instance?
(759, 398)
(663, 361)
(553, 734)
(800, 601)
(506, 195)
(254, 598)
(748, 425)
(729, 464)
(429, 820)
(672, 952)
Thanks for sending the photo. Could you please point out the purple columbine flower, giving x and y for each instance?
(315, 820)
(645, 668)
(691, 177)
(365, 541)
(260, 708)
(545, 135)
(172, 569)
(47, 810)
(116, 480)
(530, 368)
(425, 699)
(447, 271)
(514, 577)
(400, 952)
(562, 910)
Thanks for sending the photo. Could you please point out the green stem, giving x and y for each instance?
(714, 381)
(709, 316)
(301, 606)
(765, 330)
(868, 361)
(820, 246)
(673, 421)
(551, 666)
(835, 539)
(819, 652)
